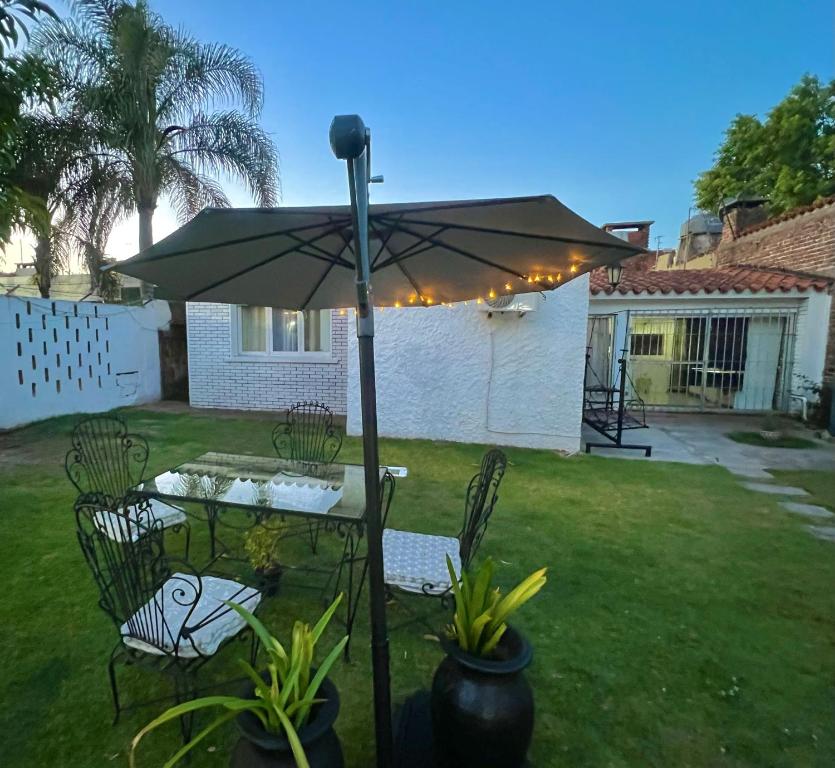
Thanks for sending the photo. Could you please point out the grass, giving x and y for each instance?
(686, 621)
(820, 485)
(784, 441)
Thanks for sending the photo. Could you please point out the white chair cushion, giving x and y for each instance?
(146, 630)
(416, 562)
(119, 527)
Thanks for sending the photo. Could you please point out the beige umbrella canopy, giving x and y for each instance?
(420, 253)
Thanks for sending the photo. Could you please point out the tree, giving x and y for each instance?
(789, 158)
(22, 79)
(151, 89)
(52, 166)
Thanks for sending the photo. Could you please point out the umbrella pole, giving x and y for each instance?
(358, 183)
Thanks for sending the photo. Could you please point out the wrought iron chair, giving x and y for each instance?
(169, 616)
(106, 460)
(416, 562)
(307, 435)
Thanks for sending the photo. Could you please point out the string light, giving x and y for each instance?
(412, 299)
(427, 300)
(508, 287)
(536, 278)
(573, 267)
(479, 300)
(559, 277)
(343, 312)
(530, 279)
(550, 278)
(492, 294)
(397, 305)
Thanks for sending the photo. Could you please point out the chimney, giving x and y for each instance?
(739, 213)
(634, 232)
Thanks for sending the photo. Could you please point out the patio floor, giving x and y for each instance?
(701, 439)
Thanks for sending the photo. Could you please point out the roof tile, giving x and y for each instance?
(718, 280)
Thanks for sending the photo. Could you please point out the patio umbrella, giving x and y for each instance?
(416, 254)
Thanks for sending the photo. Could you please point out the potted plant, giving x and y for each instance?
(261, 546)
(482, 704)
(286, 717)
(770, 428)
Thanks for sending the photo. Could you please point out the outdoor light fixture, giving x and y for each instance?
(614, 272)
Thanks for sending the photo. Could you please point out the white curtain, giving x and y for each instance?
(285, 331)
(253, 329)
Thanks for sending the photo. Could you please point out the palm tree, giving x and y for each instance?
(51, 169)
(172, 113)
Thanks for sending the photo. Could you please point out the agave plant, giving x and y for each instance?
(481, 612)
(282, 704)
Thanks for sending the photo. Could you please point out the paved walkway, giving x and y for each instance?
(701, 439)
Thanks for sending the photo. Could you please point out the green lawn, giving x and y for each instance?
(686, 622)
(820, 485)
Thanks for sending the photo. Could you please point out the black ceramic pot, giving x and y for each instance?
(259, 749)
(482, 709)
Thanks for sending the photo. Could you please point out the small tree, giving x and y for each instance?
(789, 158)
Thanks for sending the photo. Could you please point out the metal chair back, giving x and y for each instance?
(308, 434)
(105, 458)
(482, 494)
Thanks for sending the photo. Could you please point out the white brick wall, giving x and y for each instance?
(219, 379)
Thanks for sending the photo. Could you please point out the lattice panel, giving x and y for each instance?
(61, 347)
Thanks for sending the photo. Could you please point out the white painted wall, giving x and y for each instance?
(456, 374)
(811, 330)
(219, 377)
(59, 357)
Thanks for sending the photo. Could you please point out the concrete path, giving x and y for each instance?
(822, 532)
(807, 510)
(775, 490)
(700, 438)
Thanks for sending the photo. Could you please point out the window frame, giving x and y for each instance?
(300, 356)
(646, 340)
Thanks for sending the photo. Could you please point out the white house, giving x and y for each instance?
(728, 338)
(467, 373)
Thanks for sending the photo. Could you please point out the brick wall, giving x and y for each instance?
(805, 243)
(218, 378)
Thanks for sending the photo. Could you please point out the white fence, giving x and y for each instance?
(59, 357)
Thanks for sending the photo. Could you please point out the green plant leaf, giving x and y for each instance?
(293, 738)
(199, 737)
(493, 640)
(325, 619)
(260, 630)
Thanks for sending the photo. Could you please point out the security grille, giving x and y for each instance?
(735, 359)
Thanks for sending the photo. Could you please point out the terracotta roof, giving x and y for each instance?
(730, 279)
(821, 202)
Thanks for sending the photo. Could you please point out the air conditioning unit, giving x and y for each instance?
(521, 303)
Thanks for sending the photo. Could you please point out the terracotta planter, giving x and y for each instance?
(259, 749)
(482, 709)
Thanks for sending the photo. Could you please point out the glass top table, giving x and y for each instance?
(324, 491)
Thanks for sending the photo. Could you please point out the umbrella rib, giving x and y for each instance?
(336, 258)
(410, 251)
(411, 280)
(274, 257)
(462, 252)
(528, 235)
(332, 264)
(239, 241)
(383, 243)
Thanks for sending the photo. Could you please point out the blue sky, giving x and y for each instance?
(613, 107)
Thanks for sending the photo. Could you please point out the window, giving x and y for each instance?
(284, 333)
(646, 344)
